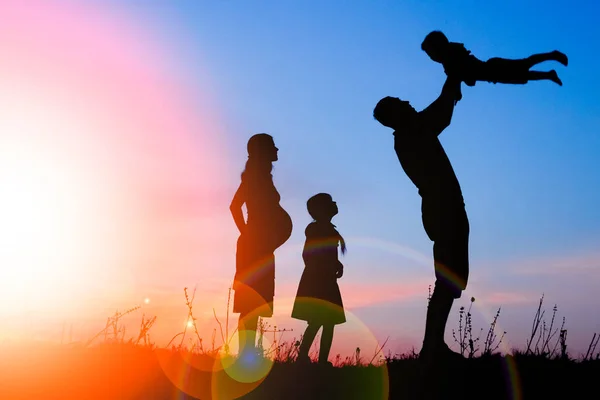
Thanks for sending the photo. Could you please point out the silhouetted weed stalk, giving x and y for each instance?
(546, 339)
(465, 340)
(278, 347)
(113, 331)
(225, 342)
(540, 340)
(469, 345)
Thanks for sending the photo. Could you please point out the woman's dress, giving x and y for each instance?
(268, 227)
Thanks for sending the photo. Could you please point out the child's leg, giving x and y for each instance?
(326, 341)
(544, 75)
(307, 340)
(551, 56)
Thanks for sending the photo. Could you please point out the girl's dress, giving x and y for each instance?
(318, 300)
(268, 227)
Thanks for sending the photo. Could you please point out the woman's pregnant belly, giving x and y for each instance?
(270, 229)
(281, 227)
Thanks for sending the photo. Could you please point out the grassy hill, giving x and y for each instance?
(125, 371)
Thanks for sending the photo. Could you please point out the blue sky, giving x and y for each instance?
(309, 73)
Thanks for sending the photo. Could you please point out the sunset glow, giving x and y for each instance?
(97, 147)
(124, 135)
(43, 208)
(123, 131)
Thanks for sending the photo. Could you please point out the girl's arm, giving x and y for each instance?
(340, 270)
(316, 252)
(340, 267)
(239, 198)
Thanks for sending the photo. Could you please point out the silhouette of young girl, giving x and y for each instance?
(318, 300)
(458, 62)
(267, 227)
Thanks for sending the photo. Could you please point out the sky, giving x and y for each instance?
(123, 130)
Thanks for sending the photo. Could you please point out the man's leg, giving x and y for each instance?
(450, 253)
(438, 311)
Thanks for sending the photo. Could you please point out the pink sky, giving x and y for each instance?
(129, 181)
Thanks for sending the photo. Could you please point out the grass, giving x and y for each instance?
(109, 366)
(128, 371)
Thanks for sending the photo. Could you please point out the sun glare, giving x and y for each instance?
(41, 216)
(100, 154)
(52, 209)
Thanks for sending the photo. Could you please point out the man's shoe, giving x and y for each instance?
(439, 353)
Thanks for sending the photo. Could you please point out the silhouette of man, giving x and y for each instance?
(426, 164)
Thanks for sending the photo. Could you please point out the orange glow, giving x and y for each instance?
(101, 151)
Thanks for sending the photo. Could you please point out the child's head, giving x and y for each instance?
(321, 207)
(435, 45)
(394, 113)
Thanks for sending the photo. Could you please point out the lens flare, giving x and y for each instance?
(101, 144)
(220, 375)
(426, 264)
(215, 376)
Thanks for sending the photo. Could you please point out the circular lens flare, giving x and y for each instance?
(367, 351)
(249, 367)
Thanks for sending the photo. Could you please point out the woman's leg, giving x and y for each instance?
(247, 325)
(326, 341)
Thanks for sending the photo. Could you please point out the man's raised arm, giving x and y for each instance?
(437, 116)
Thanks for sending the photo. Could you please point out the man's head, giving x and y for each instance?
(435, 45)
(394, 113)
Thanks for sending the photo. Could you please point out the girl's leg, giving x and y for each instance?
(544, 75)
(551, 56)
(247, 325)
(326, 341)
(307, 340)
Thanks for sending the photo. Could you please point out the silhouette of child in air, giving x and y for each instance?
(459, 63)
(318, 300)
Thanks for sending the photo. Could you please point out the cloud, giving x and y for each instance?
(356, 295)
(362, 295)
(505, 298)
(576, 263)
(586, 262)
